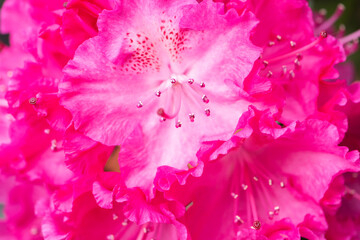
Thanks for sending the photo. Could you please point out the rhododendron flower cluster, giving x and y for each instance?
(177, 120)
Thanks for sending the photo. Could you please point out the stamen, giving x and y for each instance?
(351, 37)
(323, 12)
(47, 131)
(178, 124)
(256, 225)
(278, 37)
(234, 195)
(292, 74)
(33, 100)
(140, 104)
(205, 99)
(328, 23)
(351, 47)
(189, 206)
(125, 222)
(256, 178)
(271, 43)
(115, 217)
(276, 210)
(53, 145)
(265, 63)
(342, 30)
(297, 51)
(282, 184)
(238, 220)
(192, 117)
(269, 74)
(270, 182)
(244, 186)
(161, 113)
(323, 34)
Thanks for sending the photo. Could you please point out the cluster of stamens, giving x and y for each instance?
(250, 189)
(297, 54)
(191, 89)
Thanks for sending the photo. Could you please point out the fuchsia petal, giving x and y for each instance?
(83, 155)
(83, 223)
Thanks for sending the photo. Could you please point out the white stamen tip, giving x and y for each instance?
(205, 99)
(192, 117)
(140, 104)
(178, 124)
(234, 195)
(270, 182)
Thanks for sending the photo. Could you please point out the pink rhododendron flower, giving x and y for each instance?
(267, 174)
(165, 85)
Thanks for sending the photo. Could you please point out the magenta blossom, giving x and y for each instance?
(165, 85)
(268, 176)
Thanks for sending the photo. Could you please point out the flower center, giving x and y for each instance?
(180, 98)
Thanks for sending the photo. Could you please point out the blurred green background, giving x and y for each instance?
(350, 18)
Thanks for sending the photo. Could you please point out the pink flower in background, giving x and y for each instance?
(264, 175)
(177, 120)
